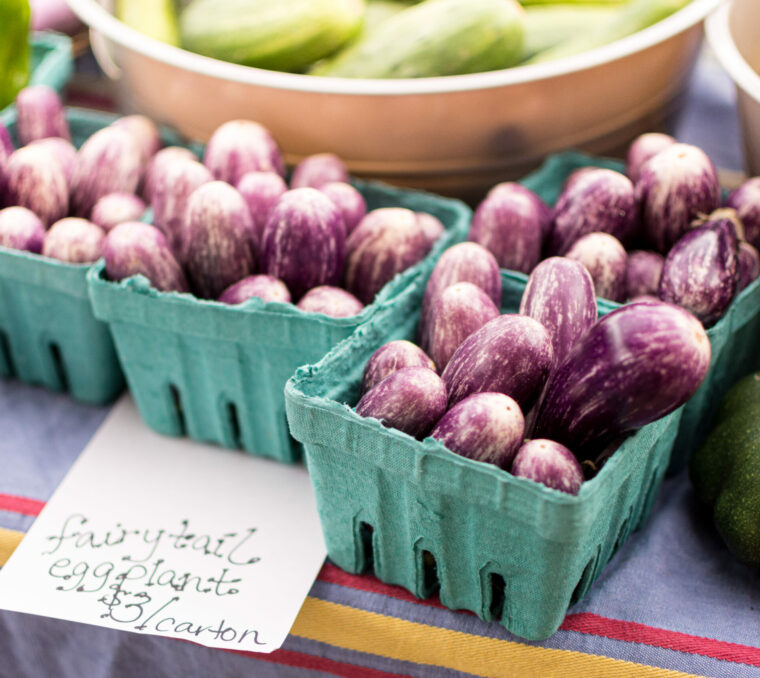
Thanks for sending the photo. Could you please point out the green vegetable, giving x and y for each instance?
(547, 26)
(15, 54)
(156, 18)
(631, 18)
(281, 35)
(436, 37)
(725, 471)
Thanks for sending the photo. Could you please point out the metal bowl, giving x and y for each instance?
(734, 35)
(456, 135)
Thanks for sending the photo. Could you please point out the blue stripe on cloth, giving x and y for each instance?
(15, 521)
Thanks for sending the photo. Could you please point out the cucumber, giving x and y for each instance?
(155, 18)
(434, 38)
(548, 25)
(286, 35)
(632, 17)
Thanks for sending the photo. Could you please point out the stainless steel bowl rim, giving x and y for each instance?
(102, 21)
(722, 43)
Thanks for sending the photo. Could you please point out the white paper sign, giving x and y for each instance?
(169, 537)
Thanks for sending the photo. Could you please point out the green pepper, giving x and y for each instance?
(15, 55)
(725, 471)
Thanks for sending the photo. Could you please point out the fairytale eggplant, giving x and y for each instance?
(411, 400)
(74, 240)
(391, 357)
(560, 295)
(605, 259)
(642, 273)
(317, 170)
(21, 229)
(331, 301)
(635, 365)
(261, 191)
(511, 354)
(642, 149)
(116, 208)
(136, 248)
(349, 202)
(216, 240)
(487, 427)
(701, 271)
(599, 200)
(304, 241)
(387, 241)
(675, 186)
(264, 287)
(40, 114)
(549, 463)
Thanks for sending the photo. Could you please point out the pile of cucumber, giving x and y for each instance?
(391, 38)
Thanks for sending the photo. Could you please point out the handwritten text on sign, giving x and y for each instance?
(193, 542)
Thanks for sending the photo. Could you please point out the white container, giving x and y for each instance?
(733, 32)
(456, 135)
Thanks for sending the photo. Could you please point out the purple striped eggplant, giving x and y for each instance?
(74, 240)
(216, 240)
(642, 273)
(21, 229)
(465, 262)
(145, 133)
(116, 208)
(544, 211)
(511, 354)
(431, 226)
(261, 191)
(487, 427)
(264, 287)
(63, 150)
(746, 201)
(606, 260)
(349, 202)
(549, 463)
(6, 145)
(239, 147)
(642, 149)
(386, 242)
(332, 301)
(560, 295)
(108, 162)
(317, 170)
(172, 187)
(35, 179)
(40, 114)
(599, 200)
(411, 400)
(137, 248)
(635, 365)
(458, 311)
(157, 165)
(749, 265)
(304, 241)
(508, 224)
(576, 174)
(391, 357)
(675, 187)
(701, 271)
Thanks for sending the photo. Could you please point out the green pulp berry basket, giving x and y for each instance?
(216, 372)
(422, 517)
(48, 333)
(733, 338)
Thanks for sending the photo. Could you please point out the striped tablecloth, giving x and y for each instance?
(671, 603)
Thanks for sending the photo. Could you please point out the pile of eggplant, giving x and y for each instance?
(226, 229)
(548, 393)
(657, 232)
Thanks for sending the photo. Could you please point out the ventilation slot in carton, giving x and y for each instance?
(178, 411)
(367, 555)
(58, 366)
(496, 592)
(430, 582)
(233, 422)
(6, 357)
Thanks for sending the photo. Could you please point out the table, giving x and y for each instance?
(672, 601)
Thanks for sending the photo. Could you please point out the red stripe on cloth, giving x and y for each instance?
(634, 632)
(583, 622)
(23, 505)
(306, 661)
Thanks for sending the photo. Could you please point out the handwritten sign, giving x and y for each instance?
(168, 537)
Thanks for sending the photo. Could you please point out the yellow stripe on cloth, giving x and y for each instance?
(354, 629)
(9, 540)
